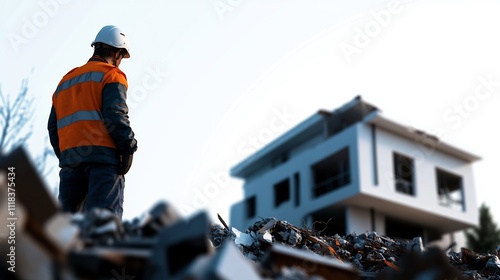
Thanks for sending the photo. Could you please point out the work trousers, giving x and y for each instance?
(100, 184)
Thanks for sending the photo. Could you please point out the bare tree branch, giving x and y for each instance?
(41, 160)
(5, 129)
(15, 117)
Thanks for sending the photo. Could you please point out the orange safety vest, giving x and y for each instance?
(78, 103)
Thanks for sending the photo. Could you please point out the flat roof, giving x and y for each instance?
(420, 137)
(315, 124)
(287, 140)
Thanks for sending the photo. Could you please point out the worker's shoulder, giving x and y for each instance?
(82, 69)
(108, 69)
(72, 71)
(115, 70)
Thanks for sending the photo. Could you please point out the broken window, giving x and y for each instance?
(403, 174)
(251, 207)
(450, 191)
(281, 192)
(331, 173)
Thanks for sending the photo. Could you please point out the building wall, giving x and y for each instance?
(426, 159)
(262, 186)
(358, 219)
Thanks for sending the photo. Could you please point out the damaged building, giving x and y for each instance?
(357, 171)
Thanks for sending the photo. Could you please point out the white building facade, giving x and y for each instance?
(357, 171)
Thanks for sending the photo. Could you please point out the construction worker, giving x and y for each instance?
(89, 128)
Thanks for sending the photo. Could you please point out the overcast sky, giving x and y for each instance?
(210, 81)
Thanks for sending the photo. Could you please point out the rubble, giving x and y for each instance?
(163, 245)
(228, 263)
(475, 265)
(374, 256)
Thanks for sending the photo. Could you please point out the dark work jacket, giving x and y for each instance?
(89, 119)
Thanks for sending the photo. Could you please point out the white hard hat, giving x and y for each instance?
(112, 36)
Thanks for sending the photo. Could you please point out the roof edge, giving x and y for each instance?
(420, 136)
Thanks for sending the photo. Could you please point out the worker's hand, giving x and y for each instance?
(125, 163)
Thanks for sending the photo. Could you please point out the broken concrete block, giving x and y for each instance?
(315, 265)
(100, 227)
(267, 237)
(493, 263)
(152, 222)
(160, 216)
(243, 239)
(61, 231)
(178, 245)
(227, 264)
(416, 245)
(295, 273)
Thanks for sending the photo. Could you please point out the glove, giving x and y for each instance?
(125, 163)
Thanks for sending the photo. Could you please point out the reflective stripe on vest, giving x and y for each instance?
(79, 116)
(85, 77)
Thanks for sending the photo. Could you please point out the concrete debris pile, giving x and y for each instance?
(43, 243)
(374, 256)
(477, 266)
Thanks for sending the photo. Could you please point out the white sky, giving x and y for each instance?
(205, 83)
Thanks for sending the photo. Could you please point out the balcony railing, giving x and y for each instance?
(331, 184)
